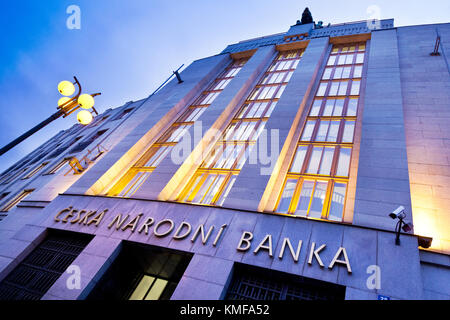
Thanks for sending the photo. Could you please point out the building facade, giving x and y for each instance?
(270, 172)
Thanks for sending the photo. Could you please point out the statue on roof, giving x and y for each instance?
(306, 16)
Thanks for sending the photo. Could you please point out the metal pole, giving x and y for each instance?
(38, 127)
(399, 226)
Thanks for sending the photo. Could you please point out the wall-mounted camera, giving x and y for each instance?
(400, 214)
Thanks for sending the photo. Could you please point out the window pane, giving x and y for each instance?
(334, 89)
(157, 289)
(197, 180)
(358, 72)
(346, 72)
(305, 197)
(308, 130)
(339, 105)
(226, 191)
(331, 60)
(348, 131)
(318, 200)
(201, 192)
(314, 161)
(286, 197)
(269, 111)
(338, 73)
(322, 132)
(329, 105)
(299, 159)
(337, 202)
(134, 184)
(349, 59)
(355, 88)
(333, 131)
(255, 94)
(322, 89)
(327, 73)
(360, 58)
(260, 107)
(344, 162)
(248, 131)
(142, 288)
(315, 108)
(280, 91)
(156, 159)
(341, 60)
(343, 88)
(213, 190)
(352, 107)
(327, 160)
(243, 111)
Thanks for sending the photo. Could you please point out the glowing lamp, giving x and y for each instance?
(84, 117)
(86, 101)
(66, 88)
(62, 101)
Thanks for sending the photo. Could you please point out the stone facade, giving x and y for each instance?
(401, 157)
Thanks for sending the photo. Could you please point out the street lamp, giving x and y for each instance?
(66, 106)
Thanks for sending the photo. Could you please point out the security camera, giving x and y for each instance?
(398, 213)
(425, 242)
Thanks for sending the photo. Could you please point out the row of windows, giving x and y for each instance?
(138, 174)
(340, 131)
(317, 178)
(12, 175)
(214, 179)
(316, 182)
(313, 198)
(323, 160)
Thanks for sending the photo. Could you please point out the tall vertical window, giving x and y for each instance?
(35, 170)
(143, 168)
(59, 165)
(13, 202)
(317, 179)
(214, 179)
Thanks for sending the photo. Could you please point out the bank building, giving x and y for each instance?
(312, 164)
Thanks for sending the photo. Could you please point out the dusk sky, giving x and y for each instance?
(125, 49)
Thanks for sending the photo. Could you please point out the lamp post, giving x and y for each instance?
(66, 106)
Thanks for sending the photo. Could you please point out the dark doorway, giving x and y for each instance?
(32, 278)
(141, 272)
(254, 283)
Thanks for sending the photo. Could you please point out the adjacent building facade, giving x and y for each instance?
(268, 173)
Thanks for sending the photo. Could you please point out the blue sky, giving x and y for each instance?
(125, 49)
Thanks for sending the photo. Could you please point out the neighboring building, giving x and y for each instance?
(268, 173)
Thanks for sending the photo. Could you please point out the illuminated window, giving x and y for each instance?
(142, 169)
(12, 203)
(317, 179)
(214, 179)
(149, 288)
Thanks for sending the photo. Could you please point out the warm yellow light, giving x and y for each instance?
(86, 101)
(66, 88)
(62, 101)
(84, 117)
